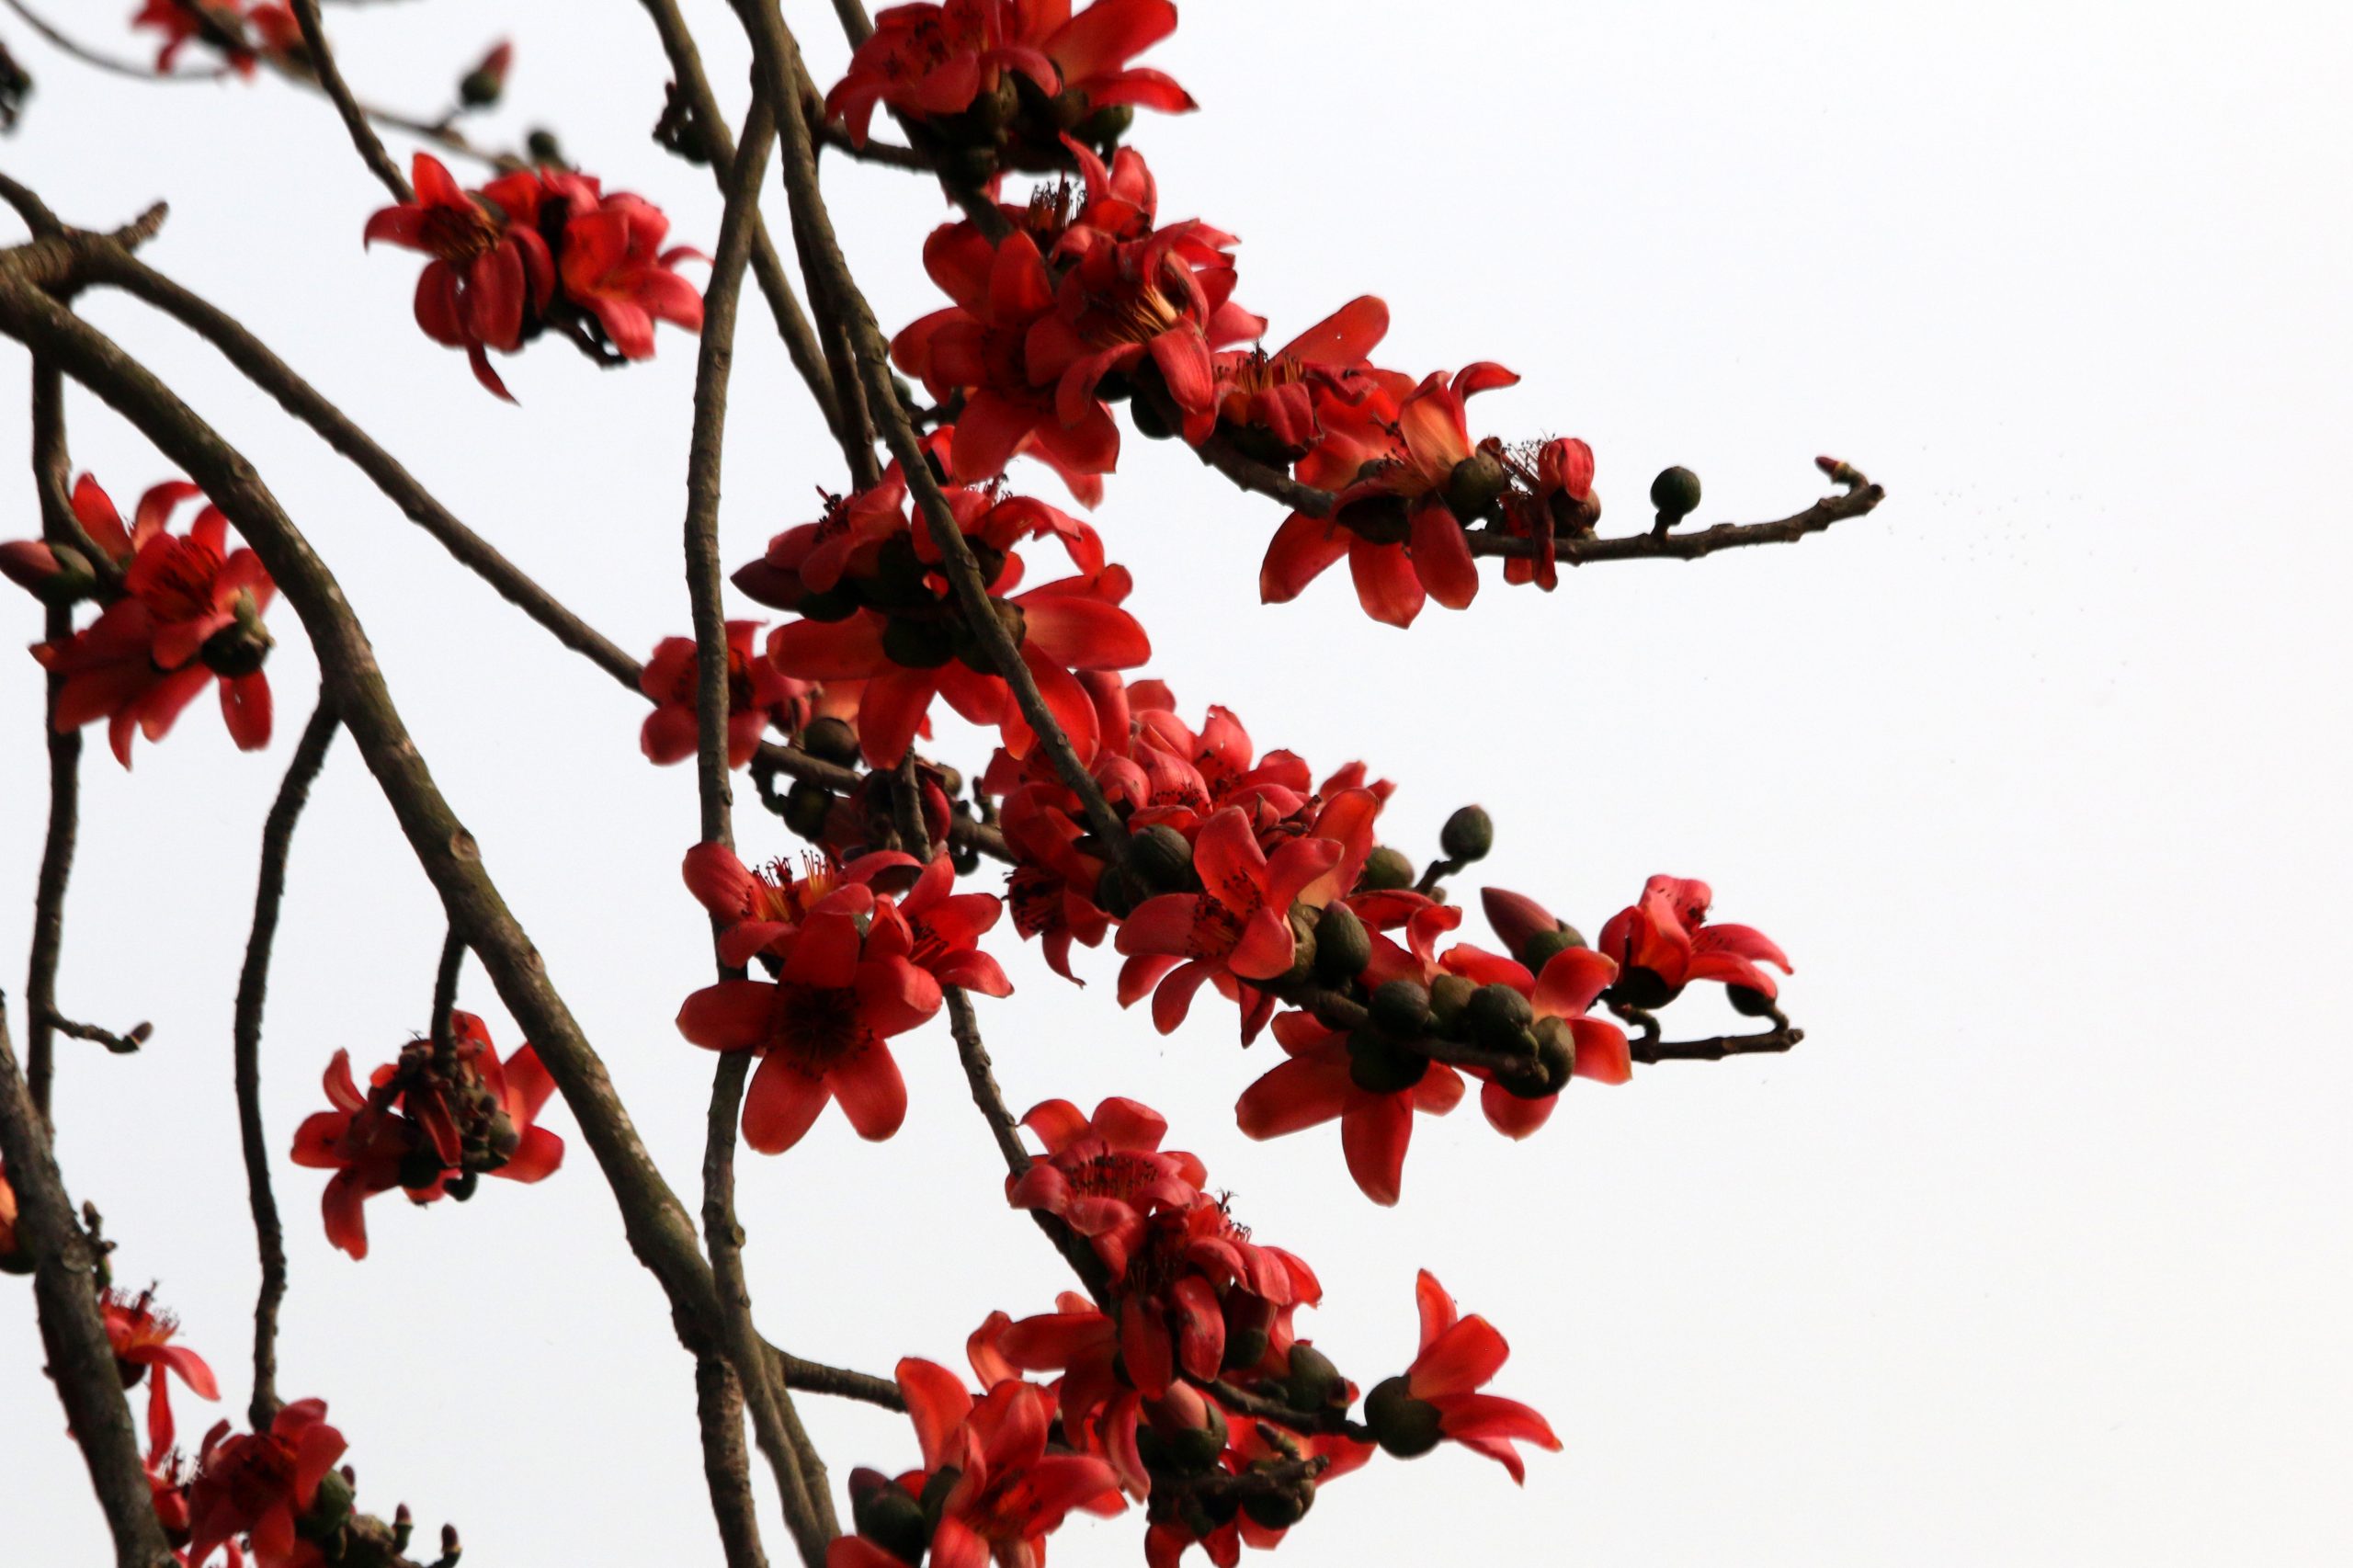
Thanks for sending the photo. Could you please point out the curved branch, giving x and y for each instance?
(64, 41)
(50, 465)
(338, 92)
(253, 988)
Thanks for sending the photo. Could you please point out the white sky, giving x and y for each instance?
(2035, 1252)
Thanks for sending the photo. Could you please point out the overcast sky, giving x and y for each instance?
(2035, 1252)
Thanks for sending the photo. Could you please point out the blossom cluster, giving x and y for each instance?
(539, 250)
(180, 612)
(244, 32)
(1181, 1382)
(430, 1123)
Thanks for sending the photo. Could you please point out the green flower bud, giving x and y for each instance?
(330, 1506)
(1385, 869)
(479, 90)
(1475, 485)
(1468, 834)
(1449, 994)
(1675, 492)
(1545, 945)
(543, 147)
(1343, 946)
(1280, 1508)
(1314, 1384)
(1403, 1426)
(831, 740)
(1144, 414)
(241, 647)
(893, 1521)
(1116, 892)
(1556, 1052)
(1106, 125)
(1400, 1009)
(917, 644)
(1161, 857)
(1188, 1450)
(1379, 1066)
(1749, 1002)
(1302, 945)
(806, 806)
(838, 603)
(1494, 1016)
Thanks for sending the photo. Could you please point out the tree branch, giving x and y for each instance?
(253, 989)
(719, 1404)
(50, 465)
(88, 56)
(73, 1331)
(355, 119)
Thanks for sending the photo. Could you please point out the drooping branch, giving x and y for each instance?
(74, 1333)
(338, 92)
(50, 464)
(253, 989)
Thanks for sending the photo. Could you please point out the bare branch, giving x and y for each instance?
(50, 465)
(338, 92)
(109, 62)
(253, 990)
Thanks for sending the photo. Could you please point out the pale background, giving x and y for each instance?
(2035, 1252)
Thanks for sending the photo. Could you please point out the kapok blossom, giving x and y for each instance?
(428, 1127)
(845, 984)
(1268, 402)
(190, 612)
(1320, 1081)
(1438, 1396)
(243, 30)
(1102, 1174)
(758, 694)
(1663, 943)
(140, 1336)
(263, 1485)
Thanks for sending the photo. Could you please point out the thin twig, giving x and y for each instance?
(50, 465)
(355, 119)
(443, 1028)
(253, 990)
(120, 1044)
(88, 56)
(80, 1360)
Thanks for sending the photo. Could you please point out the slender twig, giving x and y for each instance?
(855, 22)
(338, 92)
(890, 154)
(815, 1377)
(778, 59)
(800, 339)
(253, 989)
(88, 56)
(446, 972)
(1717, 1047)
(50, 464)
(81, 1361)
(120, 1044)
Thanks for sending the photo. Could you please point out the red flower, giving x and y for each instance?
(190, 612)
(222, 24)
(1662, 943)
(1238, 927)
(757, 694)
(1104, 1174)
(979, 347)
(426, 1130)
(493, 274)
(909, 658)
(1007, 1494)
(1195, 1269)
(1572, 980)
(1398, 526)
(820, 1027)
(140, 1336)
(932, 61)
(1438, 1396)
(614, 267)
(1269, 401)
(937, 928)
(260, 1484)
(1317, 1084)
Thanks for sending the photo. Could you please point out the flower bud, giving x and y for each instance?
(481, 86)
(1106, 125)
(1302, 945)
(1556, 1052)
(806, 806)
(1281, 1507)
(917, 644)
(1144, 414)
(1449, 994)
(1249, 1318)
(544, 148)
(1116, 892)
(1380, 518)
(1343, 946)
(1676, 494)
(241, 647)
(1191, 1430)
(1546, 946)
(1379, 1066)
(1494, 1016)
(1161, 857)
(1400, 1009)
(56, 574)
(1515, 917)
(1749, 1002)
(1468, 834)
(1314, 1384)
(330, 1506)
(893, 1520)
(838, 603)
(831, 740)
(1403, 1426)
(420, 1168)
(1477, 483)
(1385, 870)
